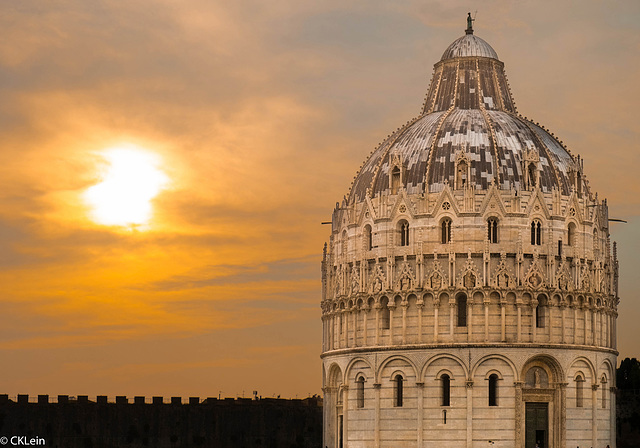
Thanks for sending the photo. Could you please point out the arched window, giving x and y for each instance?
(385, 313)
(493, 390)
(571, 234)
(461, 302)
(532, 175)
(559, 248)
(536, 232)
(539, 316)
(360, 392)
(368, 237)
(604, 391)
(492, 230)
(345, 242)
(446, 230)
(461, 175)
(446, 389)
(541, 312)
(579, 382)
(403, 226)
(395, 180)
(397, 391)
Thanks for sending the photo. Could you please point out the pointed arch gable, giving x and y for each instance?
(538, 199)
(493, 196)
(575, 203)
(409, 211)
(446, 195)
(368, 207)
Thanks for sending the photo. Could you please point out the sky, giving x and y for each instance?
(256, 116)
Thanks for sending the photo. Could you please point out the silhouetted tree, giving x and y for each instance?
(628, 374)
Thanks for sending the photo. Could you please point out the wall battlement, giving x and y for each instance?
(100, 422)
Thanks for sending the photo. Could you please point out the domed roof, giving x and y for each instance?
(469, 45)
(468, 114)
(493, 142)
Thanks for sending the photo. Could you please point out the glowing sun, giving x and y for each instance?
(123, 198)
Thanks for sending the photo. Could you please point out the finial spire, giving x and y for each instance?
(470, 20)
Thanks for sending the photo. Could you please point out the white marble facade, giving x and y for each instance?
(470, 303)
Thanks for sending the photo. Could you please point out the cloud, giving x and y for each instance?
(261, 114)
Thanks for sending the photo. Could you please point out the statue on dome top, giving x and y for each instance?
(470, 20)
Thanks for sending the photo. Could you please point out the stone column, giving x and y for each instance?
(503, 321)
(436, 306)
(324, 333)
(354, 314)
(469, 319)
(365, 314)
(594, 327)
(404, 305)
(338, 329)
(332, 328)
(420, 391)
(469, 414)
(452, 310)
(615, 330)
(345, 421)
(594, 414)
(562, 320)
(392, 308)
(586, 319)
(612, 417)
(563, 413)
(519, 417)
(575, 323)
(519, 329)
(486, 319)
(345, 330)
(534, 320)
(376, 428)
(420, 305)
(378, 308)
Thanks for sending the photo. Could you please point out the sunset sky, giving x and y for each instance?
(250, 119)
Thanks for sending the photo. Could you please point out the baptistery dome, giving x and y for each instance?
(469, 287)
(469, 114)
(469, 45)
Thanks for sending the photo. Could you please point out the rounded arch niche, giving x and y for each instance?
(541, 402)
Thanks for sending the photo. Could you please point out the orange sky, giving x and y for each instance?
(261, 113)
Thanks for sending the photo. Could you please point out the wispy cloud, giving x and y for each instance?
(261, 113)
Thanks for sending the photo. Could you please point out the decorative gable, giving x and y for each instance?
(563, 277)
(436, 278)
(469, 276)
(378, 279)
(406, 278)
(502, 277)
(535, 278)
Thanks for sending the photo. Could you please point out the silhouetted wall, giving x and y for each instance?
(628, 418)
(227, 423)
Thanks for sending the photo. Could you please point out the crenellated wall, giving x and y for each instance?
(71, 422)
